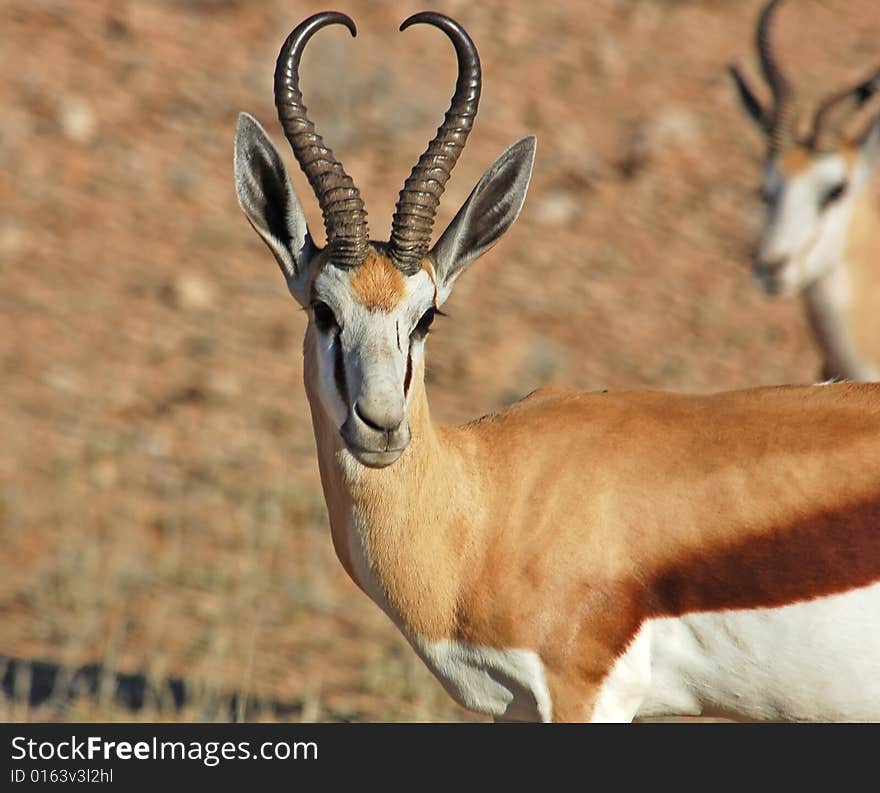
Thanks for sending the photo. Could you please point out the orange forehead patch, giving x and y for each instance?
(795, 161)
(378, 284)
(798, 159)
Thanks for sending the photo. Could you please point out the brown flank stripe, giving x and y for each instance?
(824, 554)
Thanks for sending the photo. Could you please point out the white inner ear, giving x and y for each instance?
(261, 180)
(298, 281)
(869, 152)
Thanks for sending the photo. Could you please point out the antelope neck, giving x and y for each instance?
(403, 533)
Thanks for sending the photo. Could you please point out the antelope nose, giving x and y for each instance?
(380, 417)
(770, 264)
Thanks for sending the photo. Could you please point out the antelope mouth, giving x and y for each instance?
(372, 458)
(773, 282)
(387, 447)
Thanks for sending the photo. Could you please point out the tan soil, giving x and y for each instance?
(159, 501)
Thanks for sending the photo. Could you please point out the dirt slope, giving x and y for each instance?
(159, 502)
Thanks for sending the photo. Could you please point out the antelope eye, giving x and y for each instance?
(834, 194)
(424, 324)
(325, 319)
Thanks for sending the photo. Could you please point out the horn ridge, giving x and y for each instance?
(345, 221)
(416, 208)
(780, 128)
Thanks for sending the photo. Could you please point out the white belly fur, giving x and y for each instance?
(817, 660)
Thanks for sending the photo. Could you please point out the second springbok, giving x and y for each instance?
(578, 556)
(822, 231)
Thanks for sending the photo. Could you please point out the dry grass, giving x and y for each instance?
(257, 623)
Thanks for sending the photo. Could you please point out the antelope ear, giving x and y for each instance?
(269, 201)
(865, 100)
(869, 142)
(836, 119)
(751, 104)
(489, 211)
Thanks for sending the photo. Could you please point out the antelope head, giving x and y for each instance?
(371, 303)
(810, 180)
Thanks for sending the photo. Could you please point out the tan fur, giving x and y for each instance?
(563, 523)
(335, 495)
(798, 158)
(850, 153)
(378, 284)
(862, 260)
(795, 160)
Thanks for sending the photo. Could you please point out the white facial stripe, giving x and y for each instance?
(804, 237)
(332, 401)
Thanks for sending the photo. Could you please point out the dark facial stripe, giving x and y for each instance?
(339, 370)
(408, 378)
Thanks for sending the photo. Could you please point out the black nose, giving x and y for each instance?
(770, 266)
(381, 421)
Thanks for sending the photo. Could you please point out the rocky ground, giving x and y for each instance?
(159, 503)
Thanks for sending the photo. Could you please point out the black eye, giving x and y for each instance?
(834, 194)
(324, 317)
(424, 324)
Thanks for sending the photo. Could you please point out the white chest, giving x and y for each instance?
(509, 684)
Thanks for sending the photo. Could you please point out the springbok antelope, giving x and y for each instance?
(822, 230)
(579, 556)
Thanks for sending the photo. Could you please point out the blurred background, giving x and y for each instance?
(166, 554)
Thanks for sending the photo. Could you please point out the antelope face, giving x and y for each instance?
(371, 304)
(367, 333)
(810, 181)
(809, 200)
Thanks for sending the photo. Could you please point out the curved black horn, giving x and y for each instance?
(417, 205)
(345, 218)
(780, 125)
(835, 111)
